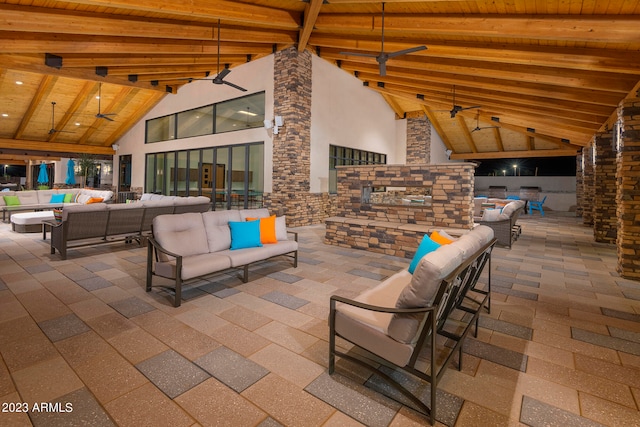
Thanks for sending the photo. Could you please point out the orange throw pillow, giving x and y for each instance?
(95, 200)
(439, 238)
(267, 229)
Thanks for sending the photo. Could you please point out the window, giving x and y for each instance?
(343, 156)
(232, 176)
(235, 114)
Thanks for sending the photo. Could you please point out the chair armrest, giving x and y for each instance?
(52, 223)
(295, 234)
(152, 242)
(380, 309)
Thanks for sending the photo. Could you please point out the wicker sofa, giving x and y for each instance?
(395, 321)
(192, 245)
(502, 218)
(33, 200)
(98, 223)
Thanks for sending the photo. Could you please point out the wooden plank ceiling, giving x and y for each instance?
(546, 75)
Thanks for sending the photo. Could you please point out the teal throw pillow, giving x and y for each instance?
(245, 234)
(57, 198)
(11, 200)
(427, 245)
(68, 198)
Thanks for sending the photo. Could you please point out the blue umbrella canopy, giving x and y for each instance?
(43, 176)
(71, 176)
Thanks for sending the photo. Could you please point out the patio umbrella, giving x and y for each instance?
(43, 176)
(71, 176)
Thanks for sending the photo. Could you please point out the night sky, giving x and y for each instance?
(540, 166)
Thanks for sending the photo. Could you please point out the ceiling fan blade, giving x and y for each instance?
(366, 55)
(469, 108)
(222, 74)
(406, 51)
(234, 86)
(383, 68)
(105, 116)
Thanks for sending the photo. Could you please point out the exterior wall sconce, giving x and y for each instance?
(268, 124)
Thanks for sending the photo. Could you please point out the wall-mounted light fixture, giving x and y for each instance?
(279, 122)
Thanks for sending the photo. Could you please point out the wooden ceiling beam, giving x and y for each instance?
(369, 72)
(220, 9)
(514, 154)
(44, 89)
(436, 124)
(311, 11)
(130, 60)
(132, 119)
(82, 98)
(26, 145)
(575, 28)
(467, 135)
(516, 73)
(604, 60)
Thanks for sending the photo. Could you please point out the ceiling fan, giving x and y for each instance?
(478, 127)
(383, 56)
(219, 78)
(53, 121)
(103, 115)
(457, 108)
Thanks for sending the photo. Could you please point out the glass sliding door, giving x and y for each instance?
(255, 176)
(170, 174)
(193, 177)
(181, 173)
(206, 173)
(221, 179)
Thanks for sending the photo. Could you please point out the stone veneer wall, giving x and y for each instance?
(628, 197)
(605, 188)
(418, 140)
(579, 185)
(397, 230)
(588, 186)
(292, 146)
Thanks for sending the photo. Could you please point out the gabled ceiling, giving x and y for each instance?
(548, 74)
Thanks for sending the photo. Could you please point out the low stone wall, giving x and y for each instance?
(397, 229)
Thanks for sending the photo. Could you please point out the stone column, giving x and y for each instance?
(292, 145)
(628, 196)
(588, 185)
(418, 140)
(604, 212)
(579, 185)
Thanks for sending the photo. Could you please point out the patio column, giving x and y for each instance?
(628, 196)
(579, 186)
(588, 184)
(418, 140)
(605, 186)
(292, 144)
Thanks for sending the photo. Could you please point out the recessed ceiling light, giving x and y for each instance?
(248, 113)
(5, 115)
(18, 82)
(97, 97)
(77, 123)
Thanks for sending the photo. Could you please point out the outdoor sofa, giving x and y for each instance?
(37, 200)
(98, 223)
(193, 245)
(416, 320)
(501, 215)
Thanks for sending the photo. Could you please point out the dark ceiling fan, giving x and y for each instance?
(103, 115)
(219, 78)
(383, 56)
(53, 121)
(478, 127)
(457, 108)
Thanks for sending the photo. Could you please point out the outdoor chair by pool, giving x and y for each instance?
(537, 206)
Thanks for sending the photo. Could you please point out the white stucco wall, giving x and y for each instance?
(348, 114)
(255, 76)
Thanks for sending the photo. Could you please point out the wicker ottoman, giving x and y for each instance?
(30, 222)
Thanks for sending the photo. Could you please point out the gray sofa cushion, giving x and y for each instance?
(185, 236)
(422, 290)
(240, 257)
(194, 266)
(254, 213)
(216, 224)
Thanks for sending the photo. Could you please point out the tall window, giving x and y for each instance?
(345, 156)
(235, 114)
(231, 176)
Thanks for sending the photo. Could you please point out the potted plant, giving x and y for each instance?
(87, 166)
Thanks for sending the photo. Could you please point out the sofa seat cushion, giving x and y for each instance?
(240, 257)
(194, 266)
(182, 234)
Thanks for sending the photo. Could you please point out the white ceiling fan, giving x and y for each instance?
(383, 56)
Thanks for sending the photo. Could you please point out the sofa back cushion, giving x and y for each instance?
(183, 234)
(216, 224)
(82, 208)
(29, 197)
(422, 290)
(254, 213)
(44, 196)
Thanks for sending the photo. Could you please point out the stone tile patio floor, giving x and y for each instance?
(561, 346)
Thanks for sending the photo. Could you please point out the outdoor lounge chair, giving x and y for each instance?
(394, 322)
(537, 206)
